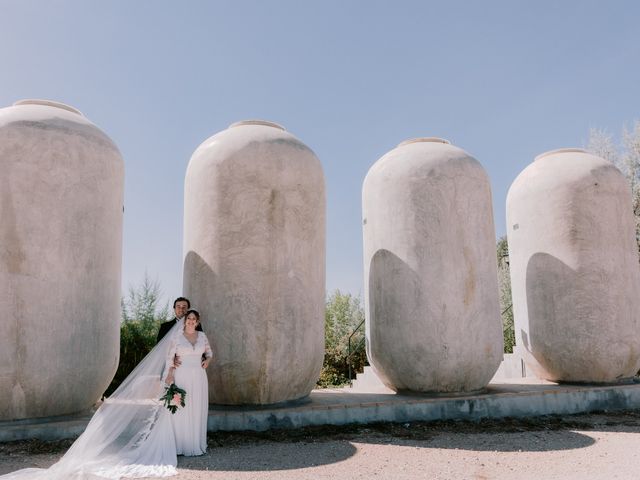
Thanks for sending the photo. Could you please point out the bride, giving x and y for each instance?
(190, 423)
(132, 435)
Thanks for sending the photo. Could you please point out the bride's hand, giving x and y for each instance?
(205, 362)
(170, 378)
(176, 361)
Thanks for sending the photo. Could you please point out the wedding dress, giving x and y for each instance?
(131, 435)
(190, 423)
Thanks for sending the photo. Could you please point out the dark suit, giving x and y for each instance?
(166, 326)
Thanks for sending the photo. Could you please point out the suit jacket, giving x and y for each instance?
(166, 326)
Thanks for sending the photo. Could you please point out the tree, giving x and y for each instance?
(343, 314)
(626, 157)
(504, 285)
(141, 318)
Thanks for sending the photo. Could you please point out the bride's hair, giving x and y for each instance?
(195, 312)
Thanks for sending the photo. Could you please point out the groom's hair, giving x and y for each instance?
(182, 299)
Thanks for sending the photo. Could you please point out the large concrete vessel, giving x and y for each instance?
(60, 259)
(254, 261)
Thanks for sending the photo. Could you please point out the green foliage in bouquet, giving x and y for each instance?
(173, 398)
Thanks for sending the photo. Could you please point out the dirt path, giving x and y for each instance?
(603, 446)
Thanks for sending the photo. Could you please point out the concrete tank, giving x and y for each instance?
(431, 289)
(254, 261)
(60, 259)
(574, 269)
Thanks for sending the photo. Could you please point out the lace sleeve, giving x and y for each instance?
(207, 348)
(171, 353)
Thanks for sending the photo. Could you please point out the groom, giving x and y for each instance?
(180, 307)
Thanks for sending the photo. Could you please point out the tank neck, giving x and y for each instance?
(424, 139)
(48, 103)
(560, 150)
(263, 123)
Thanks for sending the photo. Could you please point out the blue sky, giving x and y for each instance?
(504, 80)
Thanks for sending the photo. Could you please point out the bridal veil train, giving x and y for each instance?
(129, 436)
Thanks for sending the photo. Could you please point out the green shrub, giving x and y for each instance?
(342, 315)
(141, 318)
(504, 284)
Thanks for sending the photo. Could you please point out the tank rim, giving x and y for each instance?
(48, 103)
(560, 150)
(424, 139)
(264, 123)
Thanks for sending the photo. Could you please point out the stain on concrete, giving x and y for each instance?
(470, 278)
(12, 254)
(289, 142)
(73, 129)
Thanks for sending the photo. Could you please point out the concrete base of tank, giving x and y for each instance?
(525, 397)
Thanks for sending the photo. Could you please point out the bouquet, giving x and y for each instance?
(173, 397)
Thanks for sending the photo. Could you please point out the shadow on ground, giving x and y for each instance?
(271, 456)
(314, 446)
(544, 441)
(553, 432)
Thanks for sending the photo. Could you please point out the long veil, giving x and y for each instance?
(130, 435)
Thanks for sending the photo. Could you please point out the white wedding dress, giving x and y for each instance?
(190, 423)
(132, 434)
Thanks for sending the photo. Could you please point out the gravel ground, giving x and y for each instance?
(595, 446)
